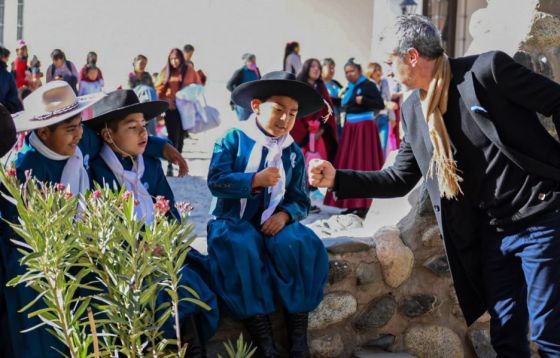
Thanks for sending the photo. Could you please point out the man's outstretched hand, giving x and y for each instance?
(321, 173)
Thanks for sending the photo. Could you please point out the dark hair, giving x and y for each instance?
(112, 124)
(35, 62)
(53, 127)
(188, 48)
(328, 61)
(303, 74)
(90, 58)
(4, 52)
(138, 58)
(182, 64)
(289, 49)
(25, 92)
(58, 54)
(351, 63)
(89, 67)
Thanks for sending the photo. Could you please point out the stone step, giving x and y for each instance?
(378, 354)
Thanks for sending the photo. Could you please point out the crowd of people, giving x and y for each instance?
(76, 135)
(300, 130)
(356, 130)
(262, 194)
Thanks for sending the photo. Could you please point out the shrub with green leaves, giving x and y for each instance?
(92, 252)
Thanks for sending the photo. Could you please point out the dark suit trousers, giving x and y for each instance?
(522, 279)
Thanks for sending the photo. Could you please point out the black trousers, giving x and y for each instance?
(175, 131)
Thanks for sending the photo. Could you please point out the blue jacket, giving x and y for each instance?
(153, 179)
(8, 91)
(229, 183)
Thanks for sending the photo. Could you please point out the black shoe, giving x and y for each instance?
(169, 170)
(314, 209)
(260, 331)
(297, 334)
(362, 213)
(189, 335)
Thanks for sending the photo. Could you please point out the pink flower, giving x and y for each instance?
(126, 195)
(68, 195)
(11, 172)
(184, 207)
(161, 205)
(59, 187)
(96, 194)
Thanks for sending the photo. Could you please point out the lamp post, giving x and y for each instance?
(408, 7)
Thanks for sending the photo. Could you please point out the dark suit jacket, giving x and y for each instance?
(510, 96)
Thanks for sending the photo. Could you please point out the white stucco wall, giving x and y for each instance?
(383, 13)
(221, 31)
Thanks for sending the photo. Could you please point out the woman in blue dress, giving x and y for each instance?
(260, 257)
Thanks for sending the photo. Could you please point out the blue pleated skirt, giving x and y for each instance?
(254, 274)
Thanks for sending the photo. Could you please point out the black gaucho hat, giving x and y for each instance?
(7, 131)
(120, 103)
(279, 83)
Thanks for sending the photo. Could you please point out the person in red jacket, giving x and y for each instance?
(19, 66)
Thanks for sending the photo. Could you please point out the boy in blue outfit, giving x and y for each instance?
(120, 119)
(53, 115)
(260, 256)
(59, 150)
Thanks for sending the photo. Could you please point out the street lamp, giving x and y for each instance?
(408, 7)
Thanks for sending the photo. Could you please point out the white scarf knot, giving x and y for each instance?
(275, 146)
(131, 180)
(74, 175)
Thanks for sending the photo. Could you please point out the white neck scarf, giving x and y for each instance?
(275, 146)
(131, 181)
(74, 175)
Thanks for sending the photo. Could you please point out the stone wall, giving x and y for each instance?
(388, 293)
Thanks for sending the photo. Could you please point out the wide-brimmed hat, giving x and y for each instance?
(52, 103)
(7, 130)
(120, 103)
(279, 83)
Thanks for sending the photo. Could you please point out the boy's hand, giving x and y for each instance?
(321, 173)
(266, 178)
(172, 155)
(275, 223)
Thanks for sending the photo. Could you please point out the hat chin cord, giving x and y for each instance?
(118, 149)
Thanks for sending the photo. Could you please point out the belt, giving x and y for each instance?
(359, 117)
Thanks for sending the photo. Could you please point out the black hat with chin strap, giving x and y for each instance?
(120, 103)
(279, 83)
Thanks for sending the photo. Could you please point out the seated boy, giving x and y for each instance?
(259, 254)
(53, 115)
(59, 149)
(120, 119)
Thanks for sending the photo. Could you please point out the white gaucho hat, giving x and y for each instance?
(50, 104)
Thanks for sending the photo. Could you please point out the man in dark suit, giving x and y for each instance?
(493, 175)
